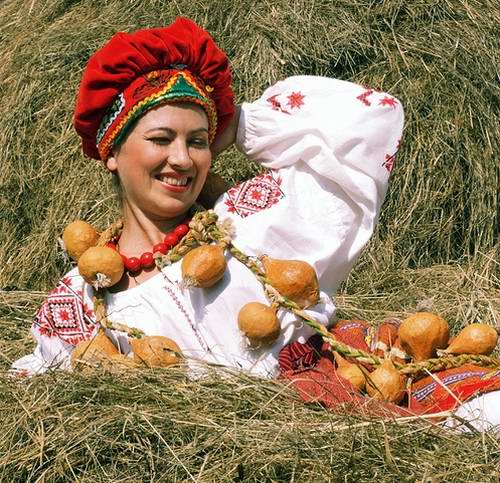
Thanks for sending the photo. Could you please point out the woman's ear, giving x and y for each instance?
(111, 163)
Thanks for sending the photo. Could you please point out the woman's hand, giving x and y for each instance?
(227, 138)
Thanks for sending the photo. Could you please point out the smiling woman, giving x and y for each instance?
(154, 106)
(162, 166)
(168, 147)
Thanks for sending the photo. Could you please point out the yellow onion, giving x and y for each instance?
(422, 334)
(351, 372)
(93, 352)
(259, 323)
(78, 236)
(386, 383)
(474, 339)
(101, 267)
(203, 266)
(156, 351)
(293, 279)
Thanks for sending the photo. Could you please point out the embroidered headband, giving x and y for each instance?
(135, 72)
(150, 90)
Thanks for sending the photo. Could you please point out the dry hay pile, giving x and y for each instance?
(437, 241)
(158, 426)
(439, 57)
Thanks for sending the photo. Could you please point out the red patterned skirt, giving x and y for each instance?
(311, 368)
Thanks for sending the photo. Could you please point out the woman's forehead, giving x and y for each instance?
(174, 116)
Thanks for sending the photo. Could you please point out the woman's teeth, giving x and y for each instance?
(175, 181)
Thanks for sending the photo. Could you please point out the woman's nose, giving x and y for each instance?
(178, 156)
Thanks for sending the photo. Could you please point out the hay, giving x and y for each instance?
(439, 59)
(435, 246)
(157, 426)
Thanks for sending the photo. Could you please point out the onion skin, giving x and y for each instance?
(203, 266)
(294, 279)
(94, 351)
(259, 324)
(478, 339)
(422, 334)
(155, 351)
(386, 383)
(350, 372)
(101, 261)
(78, 237)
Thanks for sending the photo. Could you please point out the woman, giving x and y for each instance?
(155, 106)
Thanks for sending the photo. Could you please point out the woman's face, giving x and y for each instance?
(163, 162)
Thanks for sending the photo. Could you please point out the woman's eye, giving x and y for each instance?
(199, 142)
(160, 140)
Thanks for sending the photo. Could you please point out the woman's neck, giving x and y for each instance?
(140, 232)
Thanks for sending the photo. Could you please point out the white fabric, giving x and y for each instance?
(481, 413)
(328, 150)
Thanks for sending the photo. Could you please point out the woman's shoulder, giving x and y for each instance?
(67, 312)
(71, 283)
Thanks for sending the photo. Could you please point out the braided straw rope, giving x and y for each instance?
(196, 236)
(204, 228)
(110, 233)
(449, 362)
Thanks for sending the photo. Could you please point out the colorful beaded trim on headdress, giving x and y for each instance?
(152, 89)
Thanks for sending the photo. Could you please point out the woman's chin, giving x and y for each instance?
(174, 208)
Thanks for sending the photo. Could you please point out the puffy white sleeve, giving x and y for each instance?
(330, 146)
(65, 319)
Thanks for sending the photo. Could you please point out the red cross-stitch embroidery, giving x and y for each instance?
(388, 101)
(295, 100)
(64, 315)
(364, 97)
(254, 195)
(275, 104)
(389, 162)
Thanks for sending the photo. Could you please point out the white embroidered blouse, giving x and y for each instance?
(329, 147)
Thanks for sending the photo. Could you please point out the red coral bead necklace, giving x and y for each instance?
(146, 260)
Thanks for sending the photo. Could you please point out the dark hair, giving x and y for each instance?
(117, 185)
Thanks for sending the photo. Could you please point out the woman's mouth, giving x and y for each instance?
(178, 184)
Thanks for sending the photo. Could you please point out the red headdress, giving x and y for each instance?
(135, 72)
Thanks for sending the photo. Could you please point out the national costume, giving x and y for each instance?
(327, 148)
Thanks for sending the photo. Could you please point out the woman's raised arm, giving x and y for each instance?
(330, 146)
(228, 137)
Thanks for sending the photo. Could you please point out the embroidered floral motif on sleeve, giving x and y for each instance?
(296, 100)
(363, 97)
(254, 195)
(388, 164)
(64, 315)
(388, 101)
(276, 105)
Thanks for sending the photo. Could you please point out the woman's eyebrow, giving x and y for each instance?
(161, 128)
(200, 129)
(172, 131)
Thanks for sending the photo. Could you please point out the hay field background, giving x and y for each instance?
(437, 240)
